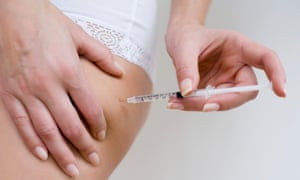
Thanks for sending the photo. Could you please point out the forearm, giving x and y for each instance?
(189, 11)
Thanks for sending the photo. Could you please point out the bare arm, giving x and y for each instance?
(189, 11)
(221, 58)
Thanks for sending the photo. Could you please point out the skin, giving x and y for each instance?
(201, 57)
(220, 58)
(41, 76)
(123, 123)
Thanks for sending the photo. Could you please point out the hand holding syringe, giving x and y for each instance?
(207, 92)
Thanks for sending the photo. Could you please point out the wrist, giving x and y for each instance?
(184, 21)
(189, 11)
(178, 28)
(179, 34)
(175, 25)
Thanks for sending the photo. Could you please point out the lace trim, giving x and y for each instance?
(119, 44)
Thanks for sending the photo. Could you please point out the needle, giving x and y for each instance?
(207, 92)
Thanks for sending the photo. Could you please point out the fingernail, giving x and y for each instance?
(117, 64)
(101, 135)
(72, 170)
(41, 153)
(186, 86)
(94, 158)
(285, 91)
(175, 106)
(210, 107)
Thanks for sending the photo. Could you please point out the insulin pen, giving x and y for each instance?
(207, 92)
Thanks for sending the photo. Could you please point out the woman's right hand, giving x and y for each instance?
(220, 58)
(42, 84)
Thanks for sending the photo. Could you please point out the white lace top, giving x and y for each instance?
(129, 34)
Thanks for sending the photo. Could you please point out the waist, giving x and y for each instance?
(127, 27)
(124, 13)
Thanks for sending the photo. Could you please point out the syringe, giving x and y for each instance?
(207, 92)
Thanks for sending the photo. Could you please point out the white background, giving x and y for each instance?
(258, 141)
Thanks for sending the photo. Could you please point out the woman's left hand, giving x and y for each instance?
(218, 58)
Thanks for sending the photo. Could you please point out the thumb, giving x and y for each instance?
(186, 65)
(97, 53)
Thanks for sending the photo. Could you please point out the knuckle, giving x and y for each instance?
(97, 117)
(269, 54)
(74, 132)
(69, 71)
(95, 114)
(21, 85)
(7, 97)
(47, 132)
(21, 121)
(39, 82)
(106, 57)
(72, 77)
(87, 149)
(63, 157)
(185, 71)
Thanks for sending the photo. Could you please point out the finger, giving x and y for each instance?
(87, 104)
(84, 99)
(263, 58)
(71, 126)
(25, 127)
(48, 131)
(186, 66)
(97, 53)
(215, 103)
(219, 102)
(222, 101)
(230, 100)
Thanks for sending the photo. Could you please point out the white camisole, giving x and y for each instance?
(126, 27)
